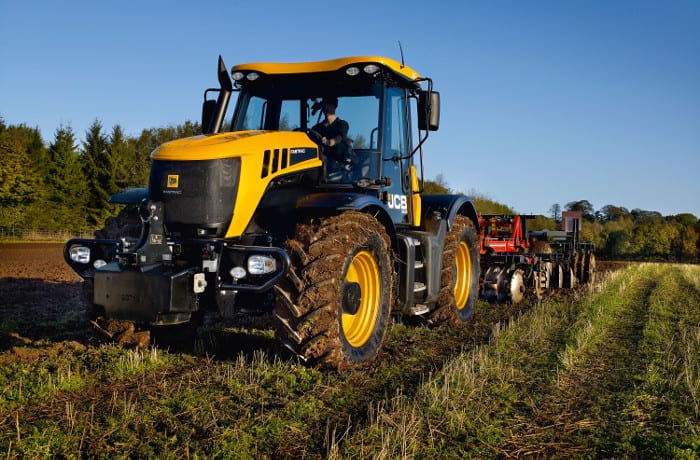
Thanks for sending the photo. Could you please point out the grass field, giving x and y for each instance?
(608, 372)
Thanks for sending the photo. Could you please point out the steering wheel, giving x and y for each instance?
(315, 136)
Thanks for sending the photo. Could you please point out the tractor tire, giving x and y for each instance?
(127, 224)
(334, 306)
(459, 282)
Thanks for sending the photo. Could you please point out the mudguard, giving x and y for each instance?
(131, 196)
(327, 203)
(449, 206)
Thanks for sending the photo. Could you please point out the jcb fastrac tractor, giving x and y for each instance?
(258, 214)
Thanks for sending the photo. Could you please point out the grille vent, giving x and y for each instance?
(273, 161)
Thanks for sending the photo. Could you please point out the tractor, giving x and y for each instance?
(259, 215)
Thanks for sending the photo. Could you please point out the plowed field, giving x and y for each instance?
(39, 295)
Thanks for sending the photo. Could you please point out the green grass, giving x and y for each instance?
(611, 371)
(613, 374)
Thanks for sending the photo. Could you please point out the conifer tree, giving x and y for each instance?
(98, 168)
(66, 182)
(20, 185)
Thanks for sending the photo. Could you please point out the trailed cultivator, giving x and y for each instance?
(516, 263)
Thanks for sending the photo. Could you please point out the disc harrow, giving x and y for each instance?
(517, 264)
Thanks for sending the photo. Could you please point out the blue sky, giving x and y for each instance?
(543, 102)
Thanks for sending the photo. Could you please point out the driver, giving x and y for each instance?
(333, 131)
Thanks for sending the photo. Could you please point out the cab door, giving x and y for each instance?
(401, 197)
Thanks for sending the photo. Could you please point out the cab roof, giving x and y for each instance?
(397, 69)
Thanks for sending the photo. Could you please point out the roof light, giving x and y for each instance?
(237, 76)
(252, 76)
(352, 71)
(371, 68)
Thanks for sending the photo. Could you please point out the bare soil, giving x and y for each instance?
(40, 296)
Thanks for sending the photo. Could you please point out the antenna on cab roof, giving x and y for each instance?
(403, 64)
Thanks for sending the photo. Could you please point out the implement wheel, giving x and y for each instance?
(333, 308)
(459, 283)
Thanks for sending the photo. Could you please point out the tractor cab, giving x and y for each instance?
(376, 155)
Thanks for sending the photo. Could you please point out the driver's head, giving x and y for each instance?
(329, 104)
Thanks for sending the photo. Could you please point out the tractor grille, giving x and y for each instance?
(198, 196)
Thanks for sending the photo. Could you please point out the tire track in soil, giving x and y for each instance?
(584, 414)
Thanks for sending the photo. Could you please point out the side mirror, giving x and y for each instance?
(208, 112)
(429, 110)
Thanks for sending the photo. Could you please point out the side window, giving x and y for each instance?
(362, 115)
(395, 139)
(396, 130)
(290, 115)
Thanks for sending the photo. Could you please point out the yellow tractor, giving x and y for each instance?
(269, 211)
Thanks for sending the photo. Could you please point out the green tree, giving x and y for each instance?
(555, 212)
(66, 181)
(486, 205)
(583, 206)
(98, 168)
(436, 187)
(123, 158)
(20, 184)
(611, 212)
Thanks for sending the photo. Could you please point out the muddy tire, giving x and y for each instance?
(459, 282)
(333, 308)
(126, 224)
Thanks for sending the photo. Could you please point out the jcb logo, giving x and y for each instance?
(398, 202)
(173, 181)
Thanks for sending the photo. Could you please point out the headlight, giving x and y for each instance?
(99, 263)
(238, 273)
(261, 265)
(80, 254)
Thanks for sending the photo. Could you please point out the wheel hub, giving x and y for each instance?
(352, 296)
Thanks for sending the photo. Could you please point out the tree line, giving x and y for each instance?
(618, 233)
(66, 186)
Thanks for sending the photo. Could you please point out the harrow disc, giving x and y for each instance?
(542, 279)
(588, 268)
(511, 287)
(491, 280)
(557, 279)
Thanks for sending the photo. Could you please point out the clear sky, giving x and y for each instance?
(543, 102)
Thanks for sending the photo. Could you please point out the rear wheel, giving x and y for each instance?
(333, 309)
(459, 283)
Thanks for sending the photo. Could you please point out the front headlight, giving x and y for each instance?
(261, 265)
(80, 254)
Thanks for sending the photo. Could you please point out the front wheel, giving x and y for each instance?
(333, 308)
(459, 284)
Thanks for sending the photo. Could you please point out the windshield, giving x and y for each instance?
(357, 158)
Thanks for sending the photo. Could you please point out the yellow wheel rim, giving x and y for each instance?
(358, 327)
(463, 275)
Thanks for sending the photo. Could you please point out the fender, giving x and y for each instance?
(449, 206)
(327, 203)
(130, 196)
